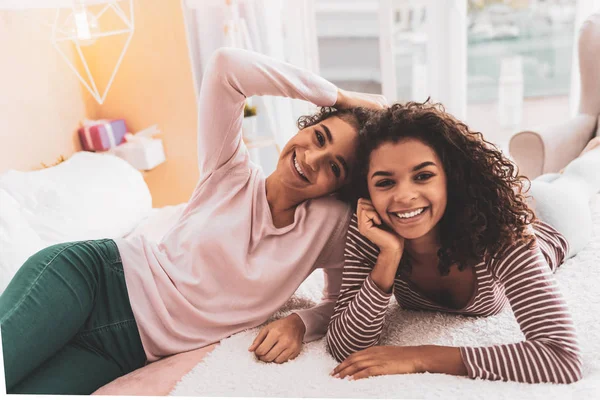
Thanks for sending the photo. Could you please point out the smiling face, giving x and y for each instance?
(317, 161)
(407, 185)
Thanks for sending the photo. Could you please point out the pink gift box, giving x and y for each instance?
(102, 136)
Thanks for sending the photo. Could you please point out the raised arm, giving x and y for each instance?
(231, 76)
(359, 313)
(550, 352)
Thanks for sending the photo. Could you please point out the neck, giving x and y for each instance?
(278, 197)
(424, 250)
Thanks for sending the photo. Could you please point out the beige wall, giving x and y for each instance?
(154, 85)
(40, 98)
(41, 101)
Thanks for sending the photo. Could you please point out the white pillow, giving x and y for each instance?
(17, 239)
(89, 196)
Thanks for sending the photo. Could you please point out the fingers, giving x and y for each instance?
(281, 353)
(266, 345)
(382, 101)
(273, 353)
(376, 101)
(363, 206)
(348, 99)
(351, 359)
(359, 365)
(259, 338)
(356, 367)
(286, 355)
(367, 372)
(365, 202)
(372, 216)
(367, 215)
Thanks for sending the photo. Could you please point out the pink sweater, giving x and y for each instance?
(224, 267)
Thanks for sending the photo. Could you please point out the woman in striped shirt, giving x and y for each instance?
(443, 224)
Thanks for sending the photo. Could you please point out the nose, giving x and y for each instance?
(313, 158)
(405, 194)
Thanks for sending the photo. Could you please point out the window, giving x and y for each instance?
(519, 58)
(500, 64)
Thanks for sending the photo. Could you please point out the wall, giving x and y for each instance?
(40, 98)
(154, 85)
(42, 101)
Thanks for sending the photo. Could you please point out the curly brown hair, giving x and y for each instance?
(486, 209)
(357, 117)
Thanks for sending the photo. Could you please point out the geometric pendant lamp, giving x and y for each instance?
(82, 25)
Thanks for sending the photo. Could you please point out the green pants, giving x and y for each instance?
(67, 325)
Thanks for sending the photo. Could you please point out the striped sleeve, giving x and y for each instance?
(550, 352)
(359, 313)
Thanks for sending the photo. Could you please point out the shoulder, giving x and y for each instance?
(328, 218)
(327, 208)
(514, 258)
(547, 235)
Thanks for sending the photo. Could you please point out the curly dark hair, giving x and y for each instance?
(357, 117)
(486, 209)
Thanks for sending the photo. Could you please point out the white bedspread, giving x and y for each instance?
(89, 196)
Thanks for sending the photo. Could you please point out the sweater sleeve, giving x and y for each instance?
(550, 352)
(317, 318)
(359, 313)
(231, 76)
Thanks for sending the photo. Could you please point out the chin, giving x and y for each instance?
(415, 233)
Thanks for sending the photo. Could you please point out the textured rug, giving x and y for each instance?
(230, 370)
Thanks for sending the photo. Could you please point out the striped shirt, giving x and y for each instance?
(522, 277)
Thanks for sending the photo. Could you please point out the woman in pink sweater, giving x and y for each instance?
(79, 315)
(443, 225)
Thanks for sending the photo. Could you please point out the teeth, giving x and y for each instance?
(410, 214)
(298, 167)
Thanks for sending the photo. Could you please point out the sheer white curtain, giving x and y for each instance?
(446, 51)
(447, 54)
(281, 29)
(584, 9)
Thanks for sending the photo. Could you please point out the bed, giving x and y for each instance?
(95, 196)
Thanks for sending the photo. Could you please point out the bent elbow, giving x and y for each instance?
(571, 368)
(578, 368)
(221, 58)
(333, 348)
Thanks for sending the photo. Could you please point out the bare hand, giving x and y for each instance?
(370, 226)
(348, 99)
(279, 341)
(379, 360)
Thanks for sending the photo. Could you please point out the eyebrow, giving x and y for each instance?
(330, 139)
(343, 162)
(418, 167)
(423, 165)
(381, 173)
(327, 132)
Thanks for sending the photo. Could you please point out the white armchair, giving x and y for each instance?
(550, 148)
